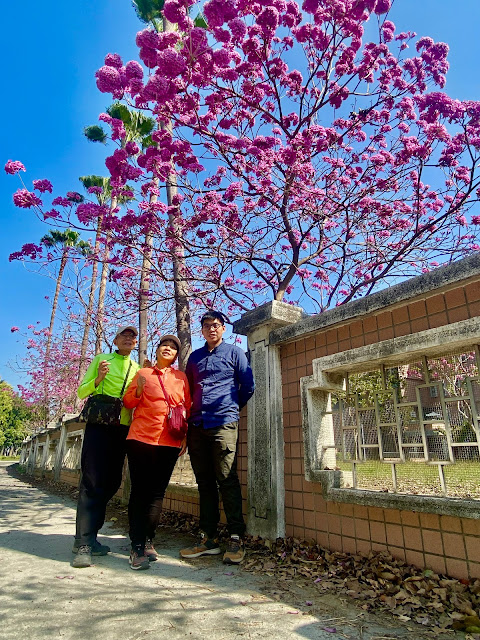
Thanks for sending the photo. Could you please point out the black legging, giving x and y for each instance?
(151, 467)
(103, 456)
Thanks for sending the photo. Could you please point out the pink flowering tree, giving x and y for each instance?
(314, 164)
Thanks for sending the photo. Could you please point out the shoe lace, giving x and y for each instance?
(234, 544)
(84, 548)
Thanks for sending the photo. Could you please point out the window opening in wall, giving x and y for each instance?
(73, 451)
(412, 428)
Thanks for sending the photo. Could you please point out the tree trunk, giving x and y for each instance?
(48, 347)
(182, 305)
(82, 366)
(101, 298)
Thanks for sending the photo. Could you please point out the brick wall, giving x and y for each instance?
(445, 544)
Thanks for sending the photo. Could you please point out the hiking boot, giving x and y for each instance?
(235, 552)
(97, 548)
(83, 557)
(150, 551)
(138, 561)
(205, 547)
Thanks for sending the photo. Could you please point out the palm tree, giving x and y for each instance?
(66, 241)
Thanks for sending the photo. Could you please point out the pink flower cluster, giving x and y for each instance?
(14, 166)
(26, 199)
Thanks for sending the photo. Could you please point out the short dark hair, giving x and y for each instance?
(211, 314)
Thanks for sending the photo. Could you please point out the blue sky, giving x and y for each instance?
(51, 53)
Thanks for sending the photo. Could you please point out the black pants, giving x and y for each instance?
(103, 456)
(213, 454)
(151, 467)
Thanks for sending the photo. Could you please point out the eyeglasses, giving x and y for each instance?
(215, 326)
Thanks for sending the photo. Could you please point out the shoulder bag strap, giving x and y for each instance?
(163, 388)
(125, 381)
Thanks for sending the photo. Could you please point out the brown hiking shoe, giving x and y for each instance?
(137, 561)
(150, 551)
(204, 547)
(235, 552)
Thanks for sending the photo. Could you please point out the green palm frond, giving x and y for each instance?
(94, 133)
(120, 112)
(148, 10)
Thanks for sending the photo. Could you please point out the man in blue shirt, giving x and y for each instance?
(221, 383)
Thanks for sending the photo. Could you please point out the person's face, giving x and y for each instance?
(212, 331)
(125, 341)
(167, 352)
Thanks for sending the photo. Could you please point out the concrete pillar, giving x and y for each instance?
(57, 469)
(266, 488)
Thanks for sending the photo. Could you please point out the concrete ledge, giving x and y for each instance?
(425, 284)
(280, 313)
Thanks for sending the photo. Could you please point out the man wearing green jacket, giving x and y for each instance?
(103, 451)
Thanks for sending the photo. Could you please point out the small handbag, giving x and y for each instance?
(104, 409)
(176, 418)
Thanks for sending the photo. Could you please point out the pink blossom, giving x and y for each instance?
(25, 199)
(171, 63)
(113, 60)
(14, 166)
(43, 186)
(14, 329)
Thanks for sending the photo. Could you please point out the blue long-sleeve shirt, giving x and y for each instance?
(221, 383)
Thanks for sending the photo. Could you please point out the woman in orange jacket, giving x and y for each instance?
(152, 450)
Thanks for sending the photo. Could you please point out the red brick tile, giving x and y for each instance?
(369, 324)
(364, 546)
(413, 538)
(288, 516)
(371, 338)
(320, 339)
(310, 343)
(333, 507)
(360, 511)
(453, 545)
(397, 552)
(358, 341)
(344, 345)
(289, 530)
(436, 563)
(392, 515)
(356, 329)
(334, 524)
(458, 314)
(456, 568)
(375, 513)
(472, 291)
(320, 504)
(438, 320)
(395, 535)
(362, 529)
(309, 519)
(400, 315)
(471, 527)
(335, 542)
(417, 309)
(298, 518)
(473, 548)
(344, 332)
(450, 523)
(332, 349)
(386, 334)
(297, 483)
(455, 298)
(346, 509)
(415, 557)
(403, 329)
(299, 532)
(347, 527)
(429, 520)
(349, 545)
(377, 532)
(322, 539)
(379, 547)
(410, 518)
(421, 324)
(432, 541)
(384, 319)
(435, 304)
(332, 336)
(473, 570)
(308, 501)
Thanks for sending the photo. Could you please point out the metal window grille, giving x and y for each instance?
(413, 428)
